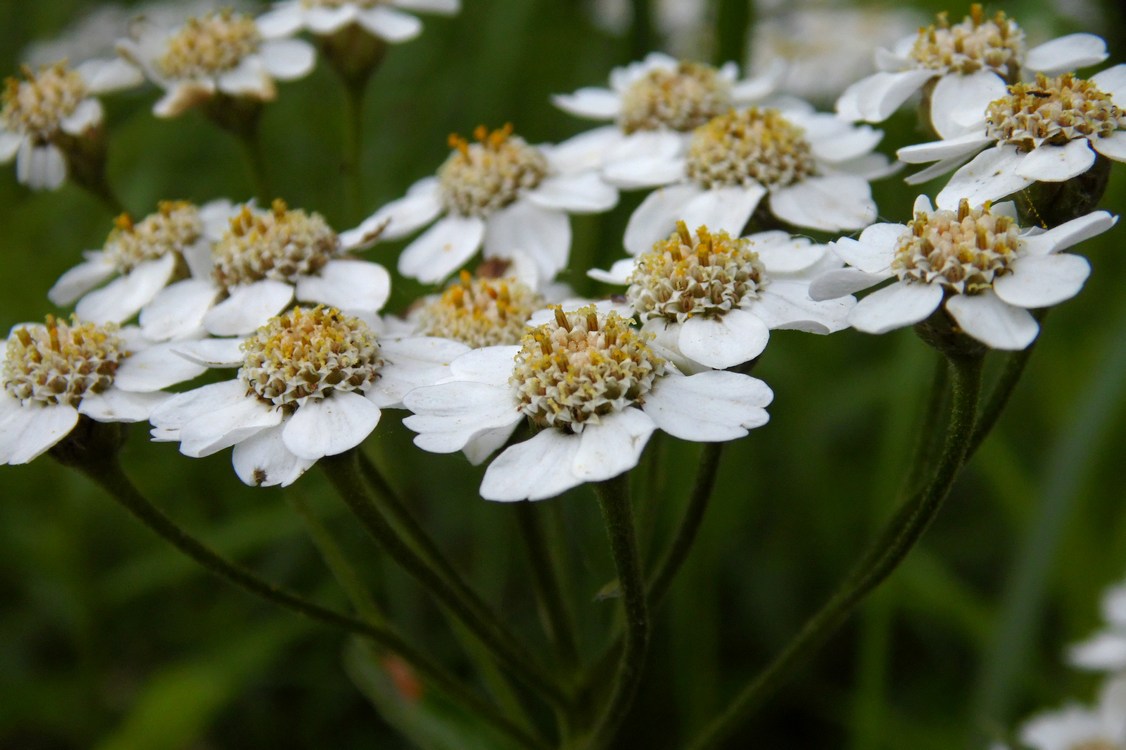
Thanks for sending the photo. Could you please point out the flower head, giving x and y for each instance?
(480, 311)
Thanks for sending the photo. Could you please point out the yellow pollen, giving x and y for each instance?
(1053, 110)
(481, 311)
(60, 362)
(280, 244)
(489, 173)
(680, 99)
(211, 44)
(174, 227)
(976, 43)
(36, 106)
(749, 146)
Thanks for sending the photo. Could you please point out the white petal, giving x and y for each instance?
(177, 312)
(876, 97)
(347, 285)
(443, 7)
(250, 79)
(486, 443)
(210, 352)
(948, 148)
(40, 167)
(618, 273)
(1113, 81)
(900, 304)
(420, 206)
(787, 305)
(839, 283)
(544, 234)
(1102, 652)
(534, 469)
(287, 59)
(723, 342)
(489, 364)
(281, 21)
(1048, 163)
(328, 426)
(199, 402)
(656, 217)
(1069, 233)
(81, 279)
(1066, 53)
(442, 249)
(1043, 280)
(959, 102)
(591, 103)
(449, 415)
(937, 169)
(708, 406)
(412, 363)
(116, 405)
(991, 175)
(228, 425)
(109, 75)
(613, 446)
(123, 297)
(324, 20)
(1112, 146)
(262, 460)
(832, 203)
(154, 369)
(993, 322)
(584, 151)
(86, 115)
(32, 430)
(723, 209)
(873, 252)
(644, 171)
(849, 144)
(9, 144)
(390, 24)
(248, 308)
(579, 194)
(783, 254)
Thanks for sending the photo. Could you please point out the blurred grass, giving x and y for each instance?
(107, 639)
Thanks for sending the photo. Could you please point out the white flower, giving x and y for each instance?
(144, 256)
(220, 53)
(56, 372)
(1047, 131)
(500, 192)
(1106, 650)
(969, 64)
(711, 300)
(593, 390)
(655, 105)
(46, 113)
(264, 261)
(380, 18)
(311, 383)
(1078, 728)
(976, 262)
(814, 168)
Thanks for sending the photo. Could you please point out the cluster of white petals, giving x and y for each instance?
(384, 19)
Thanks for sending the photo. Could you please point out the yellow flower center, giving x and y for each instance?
(305, 354)
(684, 276)
(964, 250)
(279, 244)
(582, 366)
(479, 178)
(753, 145)
(481, 312)
(59, 363)
(967, 47)
(175, 226)
(680, 99)
(36, 105)
(1053, 110)
(210, 44)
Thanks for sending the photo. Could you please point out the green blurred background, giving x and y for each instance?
(109, 640)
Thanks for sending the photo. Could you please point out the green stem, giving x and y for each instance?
(999, 396)
(613, 497)
(354, 148)
(897, 540)
(927, 442)
(643, 33)
(556, 615)
(251, 146)
(733, 21)
(343, 473)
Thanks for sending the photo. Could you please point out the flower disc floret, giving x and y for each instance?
(207, 45)
(977, 42)
(61, 362)
(963, 250)
(582, 366)
(1053, 110)
(749, 146)
(37, 105)
(482, 311)
(280, 244)
(679, 99)
(307, 354)
(482, 177)
(686, 276)
(175, 226)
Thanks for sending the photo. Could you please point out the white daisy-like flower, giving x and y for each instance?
(655, 105)
(500, 192)
(220, 53)
(54, 373)
(144, 256)
(976, 262)
(813, 169)
(711, 300)
(45, 115)
(384, 19)
(1077, 727)
(1048, 131)
(594, 391)
(311, 383)
(963, 66)
(265, 260)
(1105, 651)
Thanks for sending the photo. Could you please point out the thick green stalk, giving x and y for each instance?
(897, 540)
